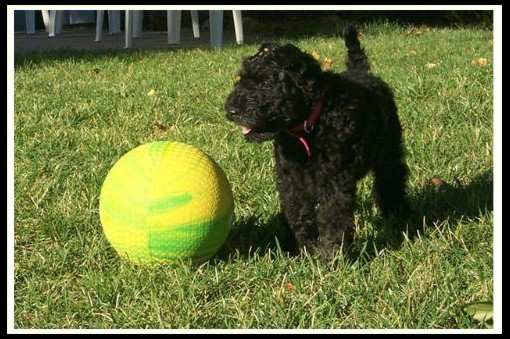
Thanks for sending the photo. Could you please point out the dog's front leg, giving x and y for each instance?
(300, 217)
(298, 204)
(335, 215)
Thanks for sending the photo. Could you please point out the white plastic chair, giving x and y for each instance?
(134, 24)
(113, 23)
(46, 19)
(54, 21)
(134, 21)
(30, 21)
(216, 27)
(174, 26)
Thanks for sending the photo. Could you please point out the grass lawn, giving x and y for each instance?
(76, 113)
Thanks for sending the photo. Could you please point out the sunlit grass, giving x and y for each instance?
(77, 113)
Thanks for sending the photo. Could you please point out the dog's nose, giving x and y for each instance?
(233, 111)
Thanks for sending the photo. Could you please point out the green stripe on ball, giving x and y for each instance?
(180, 240)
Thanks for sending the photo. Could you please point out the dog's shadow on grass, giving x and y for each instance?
(431, 205)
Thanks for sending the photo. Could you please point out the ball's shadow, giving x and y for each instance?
(452, 202)
(254, 234)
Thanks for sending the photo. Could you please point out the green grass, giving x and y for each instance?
(77, 113)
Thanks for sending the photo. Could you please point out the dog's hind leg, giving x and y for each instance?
(390, 182)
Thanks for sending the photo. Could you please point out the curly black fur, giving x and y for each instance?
(359, 131)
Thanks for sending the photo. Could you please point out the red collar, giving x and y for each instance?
(306, 126)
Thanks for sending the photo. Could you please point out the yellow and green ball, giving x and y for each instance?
(164, 201)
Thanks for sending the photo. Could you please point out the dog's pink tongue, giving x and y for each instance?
(245, 130)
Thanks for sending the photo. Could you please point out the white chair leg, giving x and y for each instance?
(137, 23)
(30, 22)
(196, 24)
(216, 28)
(113, 22)
(129, 29)
(46, 20)
(173, 23)
(59, 21)
(51, 23)
(238, 26)
(99, 26)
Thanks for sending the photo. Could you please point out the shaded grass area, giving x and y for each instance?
(76, 113)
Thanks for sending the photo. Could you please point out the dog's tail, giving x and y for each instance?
(356, 57)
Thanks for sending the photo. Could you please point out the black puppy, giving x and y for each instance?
(329, 131)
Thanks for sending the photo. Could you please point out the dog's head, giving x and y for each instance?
(274, 91)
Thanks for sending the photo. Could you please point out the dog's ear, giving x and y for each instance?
(267, 48)
(297, 61)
